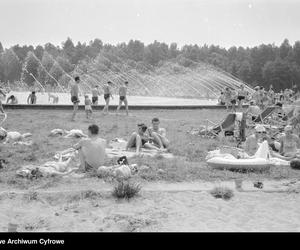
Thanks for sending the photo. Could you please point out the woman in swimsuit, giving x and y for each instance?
(289, 143)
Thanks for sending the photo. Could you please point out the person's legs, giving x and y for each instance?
(75, 108)
(105, 109)
(150, 146)
(157, 139)
(82, 159)
(120, 104)
(126, 105)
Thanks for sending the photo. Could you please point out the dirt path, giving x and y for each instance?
(159, 207)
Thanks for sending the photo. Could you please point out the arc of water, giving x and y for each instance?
(35, 79)
(48, 72)
(129, 76)
(159, 87)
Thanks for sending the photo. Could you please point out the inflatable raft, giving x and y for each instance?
(260, 161)
(239, 164)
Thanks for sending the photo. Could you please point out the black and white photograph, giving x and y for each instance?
(149, 116)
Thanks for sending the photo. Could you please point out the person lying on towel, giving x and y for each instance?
(140, 139)
(91, 150)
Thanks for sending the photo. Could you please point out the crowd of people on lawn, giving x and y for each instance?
(92, 149)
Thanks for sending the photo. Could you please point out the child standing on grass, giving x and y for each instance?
(88, 107)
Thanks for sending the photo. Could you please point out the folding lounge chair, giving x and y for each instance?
(226, 125)
(264, 114)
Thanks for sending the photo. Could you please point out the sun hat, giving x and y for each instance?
(260, 128)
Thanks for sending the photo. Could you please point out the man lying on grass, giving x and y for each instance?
(158, 134)
(91, 150)
(140, 139)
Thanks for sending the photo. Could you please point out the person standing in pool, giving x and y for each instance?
(75, 96)
(95, 94)
(31, 99)
(123, 97)
(107, 95)
(12, 100)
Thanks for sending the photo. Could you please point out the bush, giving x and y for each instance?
(222, 192)
(126, 190)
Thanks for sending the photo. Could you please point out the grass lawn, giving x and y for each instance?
(189, 166)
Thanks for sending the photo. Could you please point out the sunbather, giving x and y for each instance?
(253, 111)
(289, 143)
(158, 134)
(140, 139)
(252, 142)
(91, 150)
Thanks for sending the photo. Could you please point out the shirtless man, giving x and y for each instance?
(140, 139)
(91, 150)
(123, 97)
(253, 111)
(107, 95)
(242, 94)
(289, 143)
(158, 134)
(95, 94)
(75, 96)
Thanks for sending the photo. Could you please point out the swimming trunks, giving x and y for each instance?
(241, 97)
(106, 96)
(75, 99)
(94, 99)
(122, 98)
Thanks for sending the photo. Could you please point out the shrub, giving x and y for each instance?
(222, 192)
(126, 190)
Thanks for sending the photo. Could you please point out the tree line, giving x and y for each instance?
(262, 65)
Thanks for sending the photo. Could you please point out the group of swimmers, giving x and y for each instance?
(107, 94)
(261, 97)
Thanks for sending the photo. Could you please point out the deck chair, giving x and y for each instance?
(225, 125)
(265, 113)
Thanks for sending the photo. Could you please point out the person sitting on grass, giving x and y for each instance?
(88, 107)
(252, 142)
(158, 134)
(91, 150)
(253, 110)
(289, 143)
(31, 99)
(12, 100)
(140, 139)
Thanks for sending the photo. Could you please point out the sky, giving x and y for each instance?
(220, 22)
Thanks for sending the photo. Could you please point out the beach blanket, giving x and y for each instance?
(117, 149)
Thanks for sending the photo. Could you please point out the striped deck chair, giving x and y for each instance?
(264, 114)
(225, 125)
